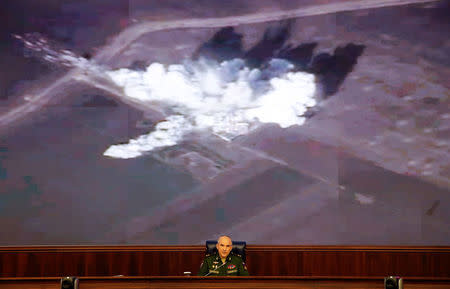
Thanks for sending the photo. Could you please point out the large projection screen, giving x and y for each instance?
(275, 122)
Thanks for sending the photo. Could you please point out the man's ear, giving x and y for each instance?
(217, 246)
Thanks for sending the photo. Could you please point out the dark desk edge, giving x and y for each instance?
(194, 278)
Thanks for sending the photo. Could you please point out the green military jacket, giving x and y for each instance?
(213, 266)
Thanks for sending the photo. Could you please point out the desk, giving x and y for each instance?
(162, 282)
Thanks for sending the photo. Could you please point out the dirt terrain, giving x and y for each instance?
(371, 166)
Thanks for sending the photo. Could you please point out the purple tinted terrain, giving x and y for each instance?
(369, 166)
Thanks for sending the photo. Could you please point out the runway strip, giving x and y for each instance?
(131, 34)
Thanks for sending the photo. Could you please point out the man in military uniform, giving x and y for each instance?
(223, 263)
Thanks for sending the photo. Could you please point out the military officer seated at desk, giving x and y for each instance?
(223, 263)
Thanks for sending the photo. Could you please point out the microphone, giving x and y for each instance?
(217, 268)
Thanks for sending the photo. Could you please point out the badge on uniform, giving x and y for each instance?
(213, 271)
(231, 266)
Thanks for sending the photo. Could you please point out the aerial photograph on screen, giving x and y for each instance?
(166, 122)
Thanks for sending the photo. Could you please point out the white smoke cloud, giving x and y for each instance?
(36, 45)
(226, 99)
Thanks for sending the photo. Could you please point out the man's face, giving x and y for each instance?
(224, 246)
